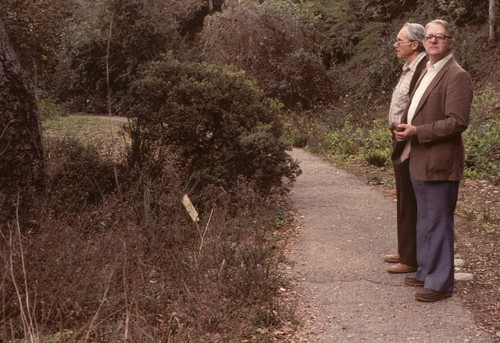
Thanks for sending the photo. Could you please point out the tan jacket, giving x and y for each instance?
(437, 152)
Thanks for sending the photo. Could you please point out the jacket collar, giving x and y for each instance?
(433, 83)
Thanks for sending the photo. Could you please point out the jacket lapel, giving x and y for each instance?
(433, 84)
(422, 73)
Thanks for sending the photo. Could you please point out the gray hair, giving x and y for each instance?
(443, 23)
(416, 33)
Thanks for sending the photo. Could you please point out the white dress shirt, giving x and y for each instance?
(432, 70)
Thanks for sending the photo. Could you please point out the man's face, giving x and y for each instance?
(437, 47)
(404, 47)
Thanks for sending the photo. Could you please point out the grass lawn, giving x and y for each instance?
(104, 132)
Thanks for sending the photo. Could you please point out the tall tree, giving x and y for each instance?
(34, 29)
(493, 20)
(141, 30)
(22, 162)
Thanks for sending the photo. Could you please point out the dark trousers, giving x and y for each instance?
(436, 201)
(406, 215)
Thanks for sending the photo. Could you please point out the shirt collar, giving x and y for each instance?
(413, 64)
(439, 64)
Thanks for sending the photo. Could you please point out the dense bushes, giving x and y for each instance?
(483, 135)
(359, 37)
(79, 176)
(295, 50)
(109, 265)
(301, 80)
(274, 42)
(34, 30)
(111, 39)
(219, 125)
(359, 135)
(371, 143)
(483, 151)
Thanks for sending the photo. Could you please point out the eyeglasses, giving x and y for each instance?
(398, 42)
(439, 37)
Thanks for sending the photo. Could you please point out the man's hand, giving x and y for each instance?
(404, 132)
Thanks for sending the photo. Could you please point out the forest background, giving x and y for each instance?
(212, 94)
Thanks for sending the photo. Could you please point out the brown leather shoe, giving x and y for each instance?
(401, 268)
(430, 295)
(411, 280)
(393, 258)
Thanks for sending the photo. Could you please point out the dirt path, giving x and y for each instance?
(347, 295)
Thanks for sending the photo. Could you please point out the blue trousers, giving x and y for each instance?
(436, 202)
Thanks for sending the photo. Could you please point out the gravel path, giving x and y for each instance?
(346, 293)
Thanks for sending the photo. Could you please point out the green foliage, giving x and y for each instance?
(482, 137)
(219, 124)
(301, 79)
(459, 12)
(33, 28)
(354, 39)
(360, 135)
(377, 146)
(342, 129)
(305, 128)
(274, 43)
(136, 31)
(381, 10)
(453, 8)
(49, 109)
(358, 35)
(79, 176)
(378, 78)
(348, 28)
(369, 142)
(346, 141)
(338, 31)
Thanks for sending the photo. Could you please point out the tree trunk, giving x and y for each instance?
(493, 21)
(22, 162)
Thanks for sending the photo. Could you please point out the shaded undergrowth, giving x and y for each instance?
(118, 258)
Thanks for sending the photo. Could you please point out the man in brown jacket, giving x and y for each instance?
(431, 138)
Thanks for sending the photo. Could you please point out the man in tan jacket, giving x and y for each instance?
(409, 47)
(430, 137)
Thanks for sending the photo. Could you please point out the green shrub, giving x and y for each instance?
(310, 128)
(78, 175)
(300, 140)
(482, 137)
(219, 124)
(380, 76)
(377, 147)
(302, 79)
(483, 150)
(371, 143)
(346, 141)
